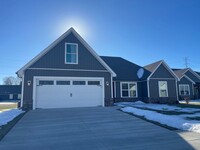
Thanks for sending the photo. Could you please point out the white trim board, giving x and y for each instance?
(57, 69)
(20, 72)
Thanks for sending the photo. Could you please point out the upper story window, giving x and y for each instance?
(128, 89)
(71, 53)
(163, 89)
(184, 89)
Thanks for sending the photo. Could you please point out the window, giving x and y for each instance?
(62, 82)
(45, 82)
(10, 96)
(93, 82)
(19, 96)
(184, 89)
(78, 82)
(128, 89)
(163, 90)
(71, 53)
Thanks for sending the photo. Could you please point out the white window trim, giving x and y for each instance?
(159, 88)
(129, 89)
(184, 88)
(66, 53)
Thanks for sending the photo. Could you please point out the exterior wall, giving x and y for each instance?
(186, 81)
(118, 97)
(6, 90)
(154, 91)
(192, 76)
(30, 73)
(162, 72)
(55, 58)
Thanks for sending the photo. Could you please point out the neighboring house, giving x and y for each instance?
(68, 73)
(161, 83)
(189, 84)
(10, 92)
(130, 82)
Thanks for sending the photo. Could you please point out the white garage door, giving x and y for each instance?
(65, 92)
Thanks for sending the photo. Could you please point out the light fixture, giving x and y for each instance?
(29, 82)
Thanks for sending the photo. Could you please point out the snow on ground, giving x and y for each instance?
(162, 107)
(176, 121)
(9, 115)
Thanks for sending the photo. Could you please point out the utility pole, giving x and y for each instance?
(186, 63)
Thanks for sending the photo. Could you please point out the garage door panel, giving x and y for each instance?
(69, 94)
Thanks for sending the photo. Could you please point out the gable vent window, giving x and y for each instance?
(71, 53)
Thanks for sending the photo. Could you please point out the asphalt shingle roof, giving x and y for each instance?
(125, 70)
(153, 66)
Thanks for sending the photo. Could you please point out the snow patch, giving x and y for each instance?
(9, 115)
(176, 121)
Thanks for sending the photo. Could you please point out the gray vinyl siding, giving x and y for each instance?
(30, 73)
(118, 97)
(162, 72)
(144, 90)
(186, 81)
(192, 76)
(55, 58)
(154, 91)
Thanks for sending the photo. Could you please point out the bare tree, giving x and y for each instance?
(11, 80)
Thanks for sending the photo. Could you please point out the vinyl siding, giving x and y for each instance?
(154, 91)
(55, 58)
(162, 72)
(192, 76)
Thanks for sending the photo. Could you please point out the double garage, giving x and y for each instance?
(63, 92)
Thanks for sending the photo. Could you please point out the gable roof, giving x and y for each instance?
(181, 72)
(125, 70)
(197, 73)
(154, 66)
(42, 53)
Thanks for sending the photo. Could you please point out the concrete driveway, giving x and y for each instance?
(88, 128)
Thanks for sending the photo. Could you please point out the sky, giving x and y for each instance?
(141, 31)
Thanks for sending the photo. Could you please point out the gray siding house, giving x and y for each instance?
(10, 93)
(189, 84)
(68, 73)
(161, 83)
(130, 82)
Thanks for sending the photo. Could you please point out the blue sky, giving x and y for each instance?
(142, 31)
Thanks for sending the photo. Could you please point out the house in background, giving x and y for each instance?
(130, 82)
(189, 84)
(10, 93)
(161, 83)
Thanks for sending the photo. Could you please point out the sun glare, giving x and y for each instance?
(77, 24)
